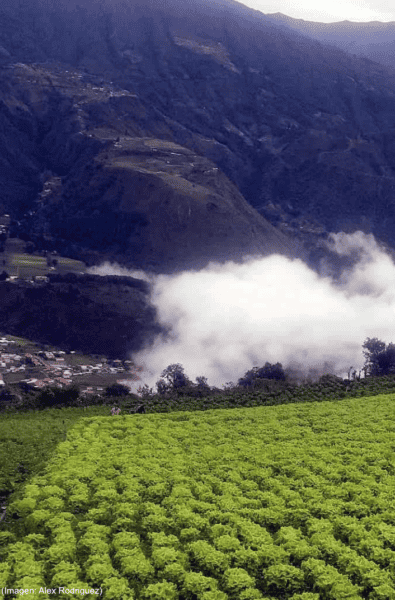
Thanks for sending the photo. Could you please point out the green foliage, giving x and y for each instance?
(175, 573)
(379, 357)
(214, 595)
(99, 568)
(227, 543)
(161, 591)
(268, 371)
(236, 580)
(28, 439)
(329, 581)
(221, 505)
(64, 572)
(117, 588)
(189, 534)
(163, 556)
(305, 596)
(382, 592)
(196, 584)
(51, 397)
(250, 594)
(208, 558)
(5, 569)
(116, 390)
(291, 539)
(283, 577)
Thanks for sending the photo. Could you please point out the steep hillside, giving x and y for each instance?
(110, 316)
(95, 173)
(288, 123)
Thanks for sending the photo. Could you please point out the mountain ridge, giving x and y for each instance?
(290, 122)
(374, 40)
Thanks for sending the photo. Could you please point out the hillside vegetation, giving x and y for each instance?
(110, 316)
(149, 134)
(16, 262)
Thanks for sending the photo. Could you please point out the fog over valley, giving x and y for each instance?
(228, 317)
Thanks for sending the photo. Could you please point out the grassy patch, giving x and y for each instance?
(20, 264)
(21, 341)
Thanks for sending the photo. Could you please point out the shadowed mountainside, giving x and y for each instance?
(111, 151)
(110, 316)
(96, 174)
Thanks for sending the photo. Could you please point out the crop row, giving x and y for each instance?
(27, 439)
(271, 502)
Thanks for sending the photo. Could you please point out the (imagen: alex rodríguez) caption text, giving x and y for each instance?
(60, 590)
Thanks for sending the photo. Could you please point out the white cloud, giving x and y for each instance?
(227, 317)
(108, 268)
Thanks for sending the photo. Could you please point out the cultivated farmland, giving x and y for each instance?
(20, 264)
(293, 501)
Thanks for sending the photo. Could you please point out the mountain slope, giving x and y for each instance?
(119, 194)
(293, 124)
(373, 40)
(109, 316)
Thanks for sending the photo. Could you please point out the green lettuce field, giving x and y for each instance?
(292, 501)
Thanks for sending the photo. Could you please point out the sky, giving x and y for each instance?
(328, 11)
(229, 317)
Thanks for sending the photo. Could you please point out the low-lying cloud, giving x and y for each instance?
(228, 317)
(108, 268)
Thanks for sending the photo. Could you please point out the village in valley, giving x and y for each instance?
(27, 367)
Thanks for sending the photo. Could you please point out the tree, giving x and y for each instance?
(175, 376)
(50, 397)
(379, 357)
(268, 371)
(201, 382)
(145, 392)
(117, 389)
(386, 360)
(162, 387)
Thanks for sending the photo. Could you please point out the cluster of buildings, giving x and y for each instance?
(41, 369)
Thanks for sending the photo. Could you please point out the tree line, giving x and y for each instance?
(379, 362)
(174, 383)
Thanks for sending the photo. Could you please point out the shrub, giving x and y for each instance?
(51, 397)
(268, 371)
(117, 389)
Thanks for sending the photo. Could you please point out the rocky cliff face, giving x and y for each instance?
(287, 122)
